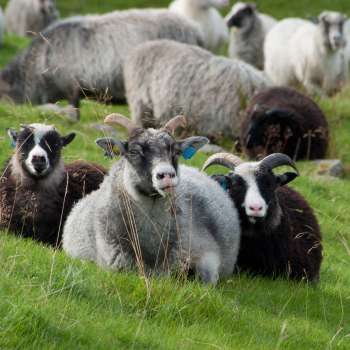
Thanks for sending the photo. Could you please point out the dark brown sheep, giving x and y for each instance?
(281, 119)
(280, 233)
(37, 191)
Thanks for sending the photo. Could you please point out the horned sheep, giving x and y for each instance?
(206, 15)
(280, 233)
(83, 56)
(248, 29)
(282, 120)
(37, 191)
(154, 214)
(29, 17)
(210, 90)
(298, 52)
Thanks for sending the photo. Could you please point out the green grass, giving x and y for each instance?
(48, 301)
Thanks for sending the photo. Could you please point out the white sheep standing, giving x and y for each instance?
(25, 17)
(206, 15)
(298, 52)
(248, 29)
(210, 90)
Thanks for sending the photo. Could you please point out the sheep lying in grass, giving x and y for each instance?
(280, 233)
(282, 120)
(210, 90)
(83, 56)
(28, 17)
(152, 213)
(37, 190)
(248, 32)
(299, 52)
(207, 17)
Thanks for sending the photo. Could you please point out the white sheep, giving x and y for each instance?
(27, 17)
(298, 52)
(152, 212)
(210, 90)
(207, 17)
(248, 29)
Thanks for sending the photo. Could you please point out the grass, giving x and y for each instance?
(48, 301)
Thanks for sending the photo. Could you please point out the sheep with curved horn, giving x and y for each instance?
(280, 233)
(153, 213)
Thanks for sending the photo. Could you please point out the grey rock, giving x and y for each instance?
(330, 167)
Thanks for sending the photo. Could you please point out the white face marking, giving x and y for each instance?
(254, 204)
(39, 130)
(164, 177)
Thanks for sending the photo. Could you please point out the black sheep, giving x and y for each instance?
(280, 233)
(37, 191)
(280, 119)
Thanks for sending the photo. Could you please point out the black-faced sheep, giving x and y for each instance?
(282, 120)
(210, 90)
(28, 17)
(37, 191)
(298, 52)
(83, 56)
(152, 213)
(280, 233)
(206, 15)
(248, 32)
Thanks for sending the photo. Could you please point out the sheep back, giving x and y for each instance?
(211, 91)
(301, 131)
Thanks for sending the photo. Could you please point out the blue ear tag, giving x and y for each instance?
(13, 144)
(189, 152)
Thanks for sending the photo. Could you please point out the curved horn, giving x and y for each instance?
(119, 119)
(227, 160)
(174, 123)
(277, 159)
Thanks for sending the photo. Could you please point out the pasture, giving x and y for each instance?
(49, 301)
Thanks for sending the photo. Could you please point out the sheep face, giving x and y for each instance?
(241, 15)
(332, 25)
(38, 149)
(252, 186)
(152, 159)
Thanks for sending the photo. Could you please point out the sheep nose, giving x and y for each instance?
(163, 175)
(39, 163)
(256, 208)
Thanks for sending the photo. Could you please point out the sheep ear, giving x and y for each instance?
(191, 145)
(66, 140)
(112, 147)
(13, 134)
(286, 178)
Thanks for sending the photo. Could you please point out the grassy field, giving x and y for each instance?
(48, 301)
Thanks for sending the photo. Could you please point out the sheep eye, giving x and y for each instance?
(135, 153)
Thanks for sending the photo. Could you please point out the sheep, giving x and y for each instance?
(280, 233)
(210, 90)
(37, 190)
(28, 17)
(83, 56)
(248, 30)
(280, 119)
(154, 214)
(298, 52)
(207, 17)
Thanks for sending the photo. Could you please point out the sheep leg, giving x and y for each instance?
(208, 268)
(74, 100)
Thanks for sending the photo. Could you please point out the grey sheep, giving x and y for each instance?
(154, 214)
(28, 17)
(83, 56)
(210, 90)
(248, 31)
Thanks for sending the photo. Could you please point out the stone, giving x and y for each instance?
(330, 167)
